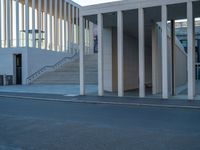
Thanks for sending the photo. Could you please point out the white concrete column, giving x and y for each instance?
(56, 25)
(39, 22)
(61, 32)
(69, 28)
(100, 55)
(165, 90)
(77, 38)
(45, 24)
(72, 29)
(4, 21)
(23, 19)
(191, 51)
(82, 49)
(65, 32)
(154, 59)
(0, 24)
(11, 24)
(17, 23)
(27, 23)
(22, 38)
(50, 20)
(33, 22)
(120, 53)
(8, 23)
(141, 53)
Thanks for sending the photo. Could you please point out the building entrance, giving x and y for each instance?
(18, 69)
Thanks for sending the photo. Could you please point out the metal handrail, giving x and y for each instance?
(45, 69)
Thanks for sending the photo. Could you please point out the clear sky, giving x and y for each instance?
(91, 2)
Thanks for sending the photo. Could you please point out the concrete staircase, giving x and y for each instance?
(69, 73)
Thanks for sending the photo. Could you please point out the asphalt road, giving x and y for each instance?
(47, 125)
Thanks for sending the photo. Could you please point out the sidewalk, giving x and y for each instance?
(106, 100)
(48, 89)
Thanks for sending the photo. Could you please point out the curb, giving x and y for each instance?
(103, 102)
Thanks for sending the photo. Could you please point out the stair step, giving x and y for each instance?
(69, 73)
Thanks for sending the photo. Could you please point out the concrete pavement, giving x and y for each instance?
(64, 89)
(34, 124)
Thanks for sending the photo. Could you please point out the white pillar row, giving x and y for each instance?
(33, 22)
(0, 25)
(77, 26)
(82, 49)
(100, 55)
(72, 29)
(61, 47)
(27, 22)
(141, 53)
(45, 24)
(191, 51)
(154, 59)
(65, 32)
(165, 93)
(39, 22)
(17, 23)
(50, 20)
(8, 23)
(120, 53)
(56, 25)
(69, 27)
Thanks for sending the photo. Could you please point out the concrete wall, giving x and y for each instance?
(131, 69)
(181, 67)
(180, 63)
(32, 60)
(158, 61)
(38, 58)
(107, 59)
(7, 61)
(131, 65)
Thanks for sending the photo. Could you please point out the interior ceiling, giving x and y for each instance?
(152, 14)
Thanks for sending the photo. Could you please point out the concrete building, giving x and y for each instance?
(137, 47)
(137, 44)
(35, 34)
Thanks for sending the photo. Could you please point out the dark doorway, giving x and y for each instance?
(19, 69)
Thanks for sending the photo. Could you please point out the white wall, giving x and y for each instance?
(130, 62)
(7, 61)
(181, 67)
(180, 63)
(38, 58)
(107, 59)
(32, 60)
